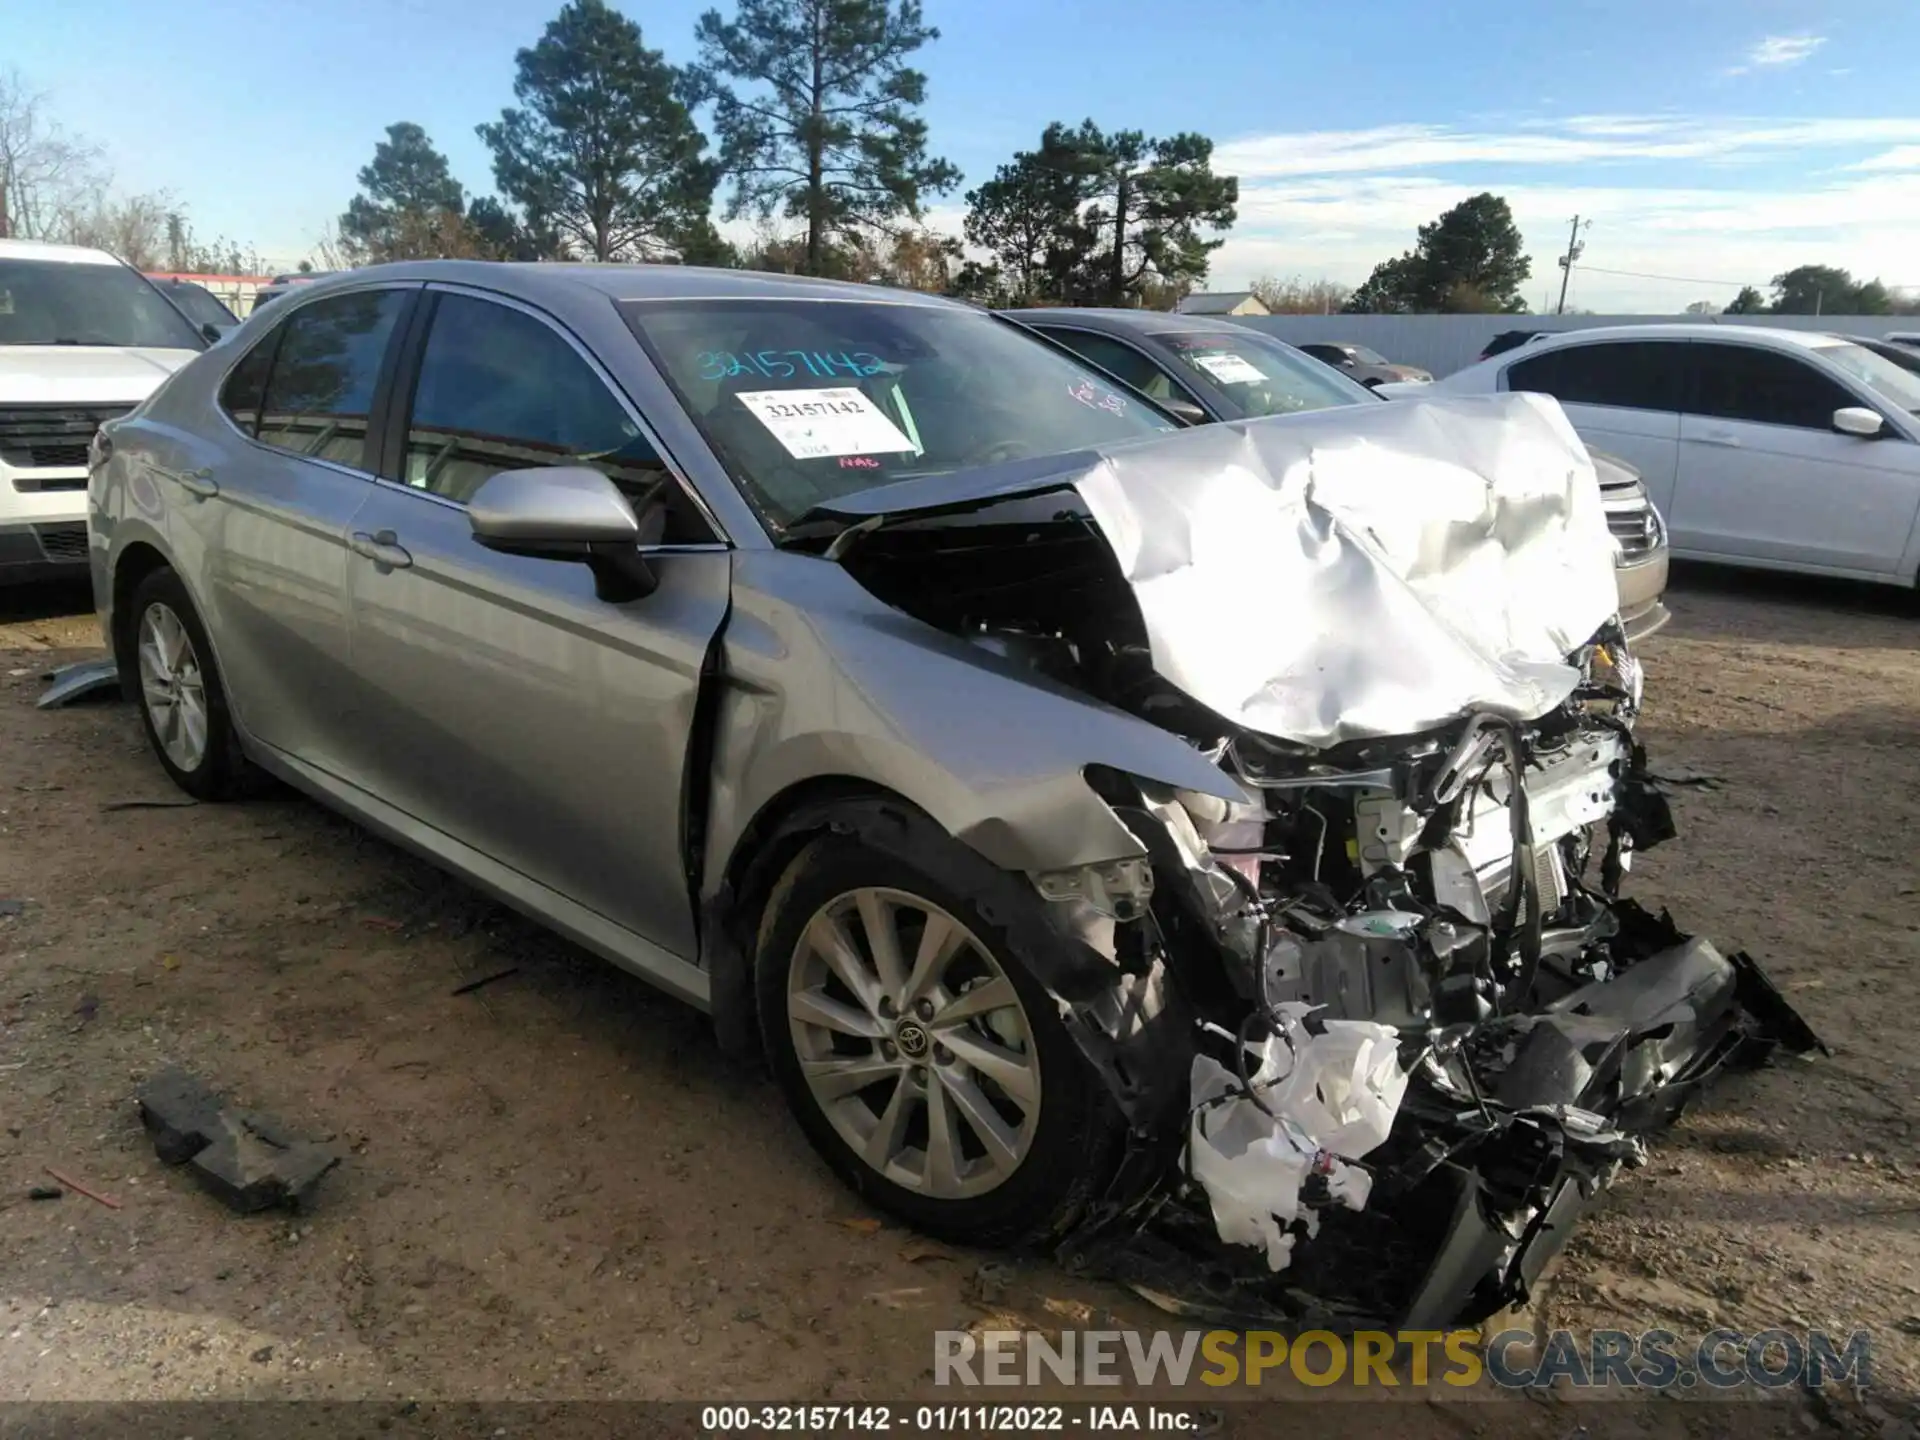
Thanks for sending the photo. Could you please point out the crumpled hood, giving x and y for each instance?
(83, 374)
(1348, 573)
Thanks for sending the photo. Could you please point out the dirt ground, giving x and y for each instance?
(555, 1187)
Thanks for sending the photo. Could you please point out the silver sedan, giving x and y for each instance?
(996, 756)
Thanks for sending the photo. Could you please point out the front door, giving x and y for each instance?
(517, 712)
(1765, 476)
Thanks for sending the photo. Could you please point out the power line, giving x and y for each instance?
(1694, 280)
(1677, 279)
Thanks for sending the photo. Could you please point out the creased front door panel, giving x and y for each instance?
(510, 708)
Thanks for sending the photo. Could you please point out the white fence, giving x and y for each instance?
(1445, 343)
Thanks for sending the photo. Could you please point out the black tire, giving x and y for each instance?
(1079, 1131)
(222, 772)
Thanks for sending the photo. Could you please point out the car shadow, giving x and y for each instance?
(46, 600)
(1815, 597)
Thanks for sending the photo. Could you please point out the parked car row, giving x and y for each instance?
(996, 752)
(1784, 449)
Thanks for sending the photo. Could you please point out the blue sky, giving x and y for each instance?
(1711, 140)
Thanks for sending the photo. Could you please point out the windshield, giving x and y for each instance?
(1259, 376)
(809, 400)
(53, 302)
(1893, 384)
(1368, 357)
(200, 305)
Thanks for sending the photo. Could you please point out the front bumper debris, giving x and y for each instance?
(1456, 1035)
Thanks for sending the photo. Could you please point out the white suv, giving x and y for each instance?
(83, 338)
(1783, 449)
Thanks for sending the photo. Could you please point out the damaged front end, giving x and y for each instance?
(1447, 1031)
(1384, 1025)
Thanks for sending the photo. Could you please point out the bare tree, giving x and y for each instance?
(45, 174)
(1294, 296)
(134, 228)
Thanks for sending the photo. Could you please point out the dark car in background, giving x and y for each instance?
(1357, 362)
(1907, 357)
(281, 284)
(1507, 340)
(208, 313)
(1214, 370)
(1198, 369)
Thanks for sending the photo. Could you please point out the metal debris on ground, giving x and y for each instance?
(170, 804)
(10, 908)
(74, 682)
(46, 1192)
(247, 1159)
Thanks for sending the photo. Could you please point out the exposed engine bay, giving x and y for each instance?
(1385, 1024)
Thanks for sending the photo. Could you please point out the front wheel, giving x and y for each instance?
(182, 702)
(924, 1060)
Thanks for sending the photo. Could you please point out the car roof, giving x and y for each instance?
(62, 254)
(533, 279)
(1141, 322)
(1760, 334)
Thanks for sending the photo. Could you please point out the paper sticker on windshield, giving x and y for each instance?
(1230, 369)
(816, 423)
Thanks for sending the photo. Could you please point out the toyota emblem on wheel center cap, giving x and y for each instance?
(912, 1041)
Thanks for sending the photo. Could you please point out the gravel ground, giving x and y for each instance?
(555, 1187)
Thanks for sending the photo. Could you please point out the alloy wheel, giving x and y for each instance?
(914, 1043)
(173, 687)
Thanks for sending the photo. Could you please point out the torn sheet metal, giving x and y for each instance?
(1365, 572)
(1329, 1098)
(77, 681)
(1341, 574)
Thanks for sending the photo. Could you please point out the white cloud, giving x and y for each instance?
(1585, 139)
(1903, 157)
(1334, 203)
(1778, 51)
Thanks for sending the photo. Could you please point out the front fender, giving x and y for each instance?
(820, 679)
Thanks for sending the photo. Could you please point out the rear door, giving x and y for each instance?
(266, 527)
(1623, 396)
(518, 713)
(1765, 476)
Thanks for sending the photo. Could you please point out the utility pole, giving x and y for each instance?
(1574, 248)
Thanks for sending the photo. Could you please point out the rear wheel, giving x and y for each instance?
(920, 1054)
(182, 702)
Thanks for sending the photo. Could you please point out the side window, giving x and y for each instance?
(1744, 382)
(500, 390)
(245, 383)
(324, 372)
(1121, 360)
(1630, 374)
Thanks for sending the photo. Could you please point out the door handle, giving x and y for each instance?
(1720, 437)
(198, 483)
(382, 549)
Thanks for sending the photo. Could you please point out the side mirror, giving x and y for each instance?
(1185, 411)
(568, 512)
(1858, 420)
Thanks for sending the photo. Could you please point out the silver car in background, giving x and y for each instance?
(998, 758)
